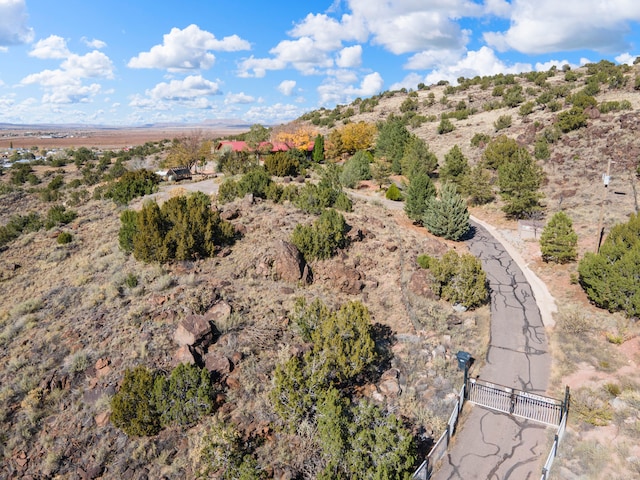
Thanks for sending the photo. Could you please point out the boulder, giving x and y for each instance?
(420, 284)
(219, 312)
(193, 330)
(347, 279)
(288, 263)
(184, 355)
(216, 363)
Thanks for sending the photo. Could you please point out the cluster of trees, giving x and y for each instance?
(149, 401)
(459, 279)
(356, 438)
(184, 228)
(132, 184)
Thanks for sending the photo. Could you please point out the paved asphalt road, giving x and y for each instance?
(491, 445)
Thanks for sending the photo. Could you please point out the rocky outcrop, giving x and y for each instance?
(194, 330)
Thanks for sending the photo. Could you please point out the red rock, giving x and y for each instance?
(102, 419)
(194, 329)
(183, 355)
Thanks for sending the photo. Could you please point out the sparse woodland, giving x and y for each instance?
(297, 321)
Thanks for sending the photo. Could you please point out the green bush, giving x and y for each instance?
(281, 164)
(571, 119)
(64, 238)
(131, 185)
(227, 191)
(419, 190)
(185, 228)
(393, 193)
(59, 215)
(480, 138)
(460, 279)
(19, 224)
(519, 181)
(256, 182)
(133, 408)
(500, 150)
(503, 121)
(323, 238)
(610, 278)
(445, 126)
(356, 168)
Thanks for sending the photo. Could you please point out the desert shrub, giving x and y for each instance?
(133, 409)
(526, 109)
(321, 239)
(235, 163)
(393, 193)
(281, 164)
(558, 241)
(513, 96)
(59, 215)
(185, 228)
(424, 260)
(131, 280)
(343, 203)
(312, 198)
(611, 277)
(19, 224)
(503, 121)
(447, 216)
(582, 100)
(460, 279)
(480, 138)
(227, 191)
(571, 119)
(131, 185)
(185, 396)
(445, 126)
(256, 181)
(64, 237)
(356, 168)
(541, 149)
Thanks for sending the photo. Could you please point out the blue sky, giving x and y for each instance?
(132, 62)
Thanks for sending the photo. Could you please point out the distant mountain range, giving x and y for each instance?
(233, 123)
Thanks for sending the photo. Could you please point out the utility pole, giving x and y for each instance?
(606, 178)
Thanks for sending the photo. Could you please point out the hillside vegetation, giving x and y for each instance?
(295, 320)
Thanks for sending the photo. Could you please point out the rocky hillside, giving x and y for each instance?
(75, 316)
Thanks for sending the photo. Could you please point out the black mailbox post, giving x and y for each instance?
(464, 362)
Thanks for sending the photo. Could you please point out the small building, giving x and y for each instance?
(178, 173)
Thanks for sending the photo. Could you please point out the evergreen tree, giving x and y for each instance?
(455, 166)
(477, 186)
(417, 158)
(447, 216)
(611, 278)
(558, 240)
(419, 190)
(519, 181)
(390, 144)
(501, 149)
(318, 149)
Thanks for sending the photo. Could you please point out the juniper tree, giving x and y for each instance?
(558, 240)
(447, 216)
(417, 158)
(477, 186)
(419, 190)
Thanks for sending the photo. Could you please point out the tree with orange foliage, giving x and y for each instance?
(358, 137)
(295, 135)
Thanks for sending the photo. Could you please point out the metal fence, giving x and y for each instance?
(425, 470)
(516, 402)
(558, 438)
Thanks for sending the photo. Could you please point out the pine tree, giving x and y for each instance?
(417, 158)
(455, 166)
(447, 216)
(420, 189)
(390, 144)
(519, 180)
(558, 240)
(477, 186)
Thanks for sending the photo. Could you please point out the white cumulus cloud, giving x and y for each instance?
(350, 57)
(286, 87)
(238, 98)
(94, 43)
(187, 49)
(50, 47)
(335, 91)
(13, 23)
(543, 26)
